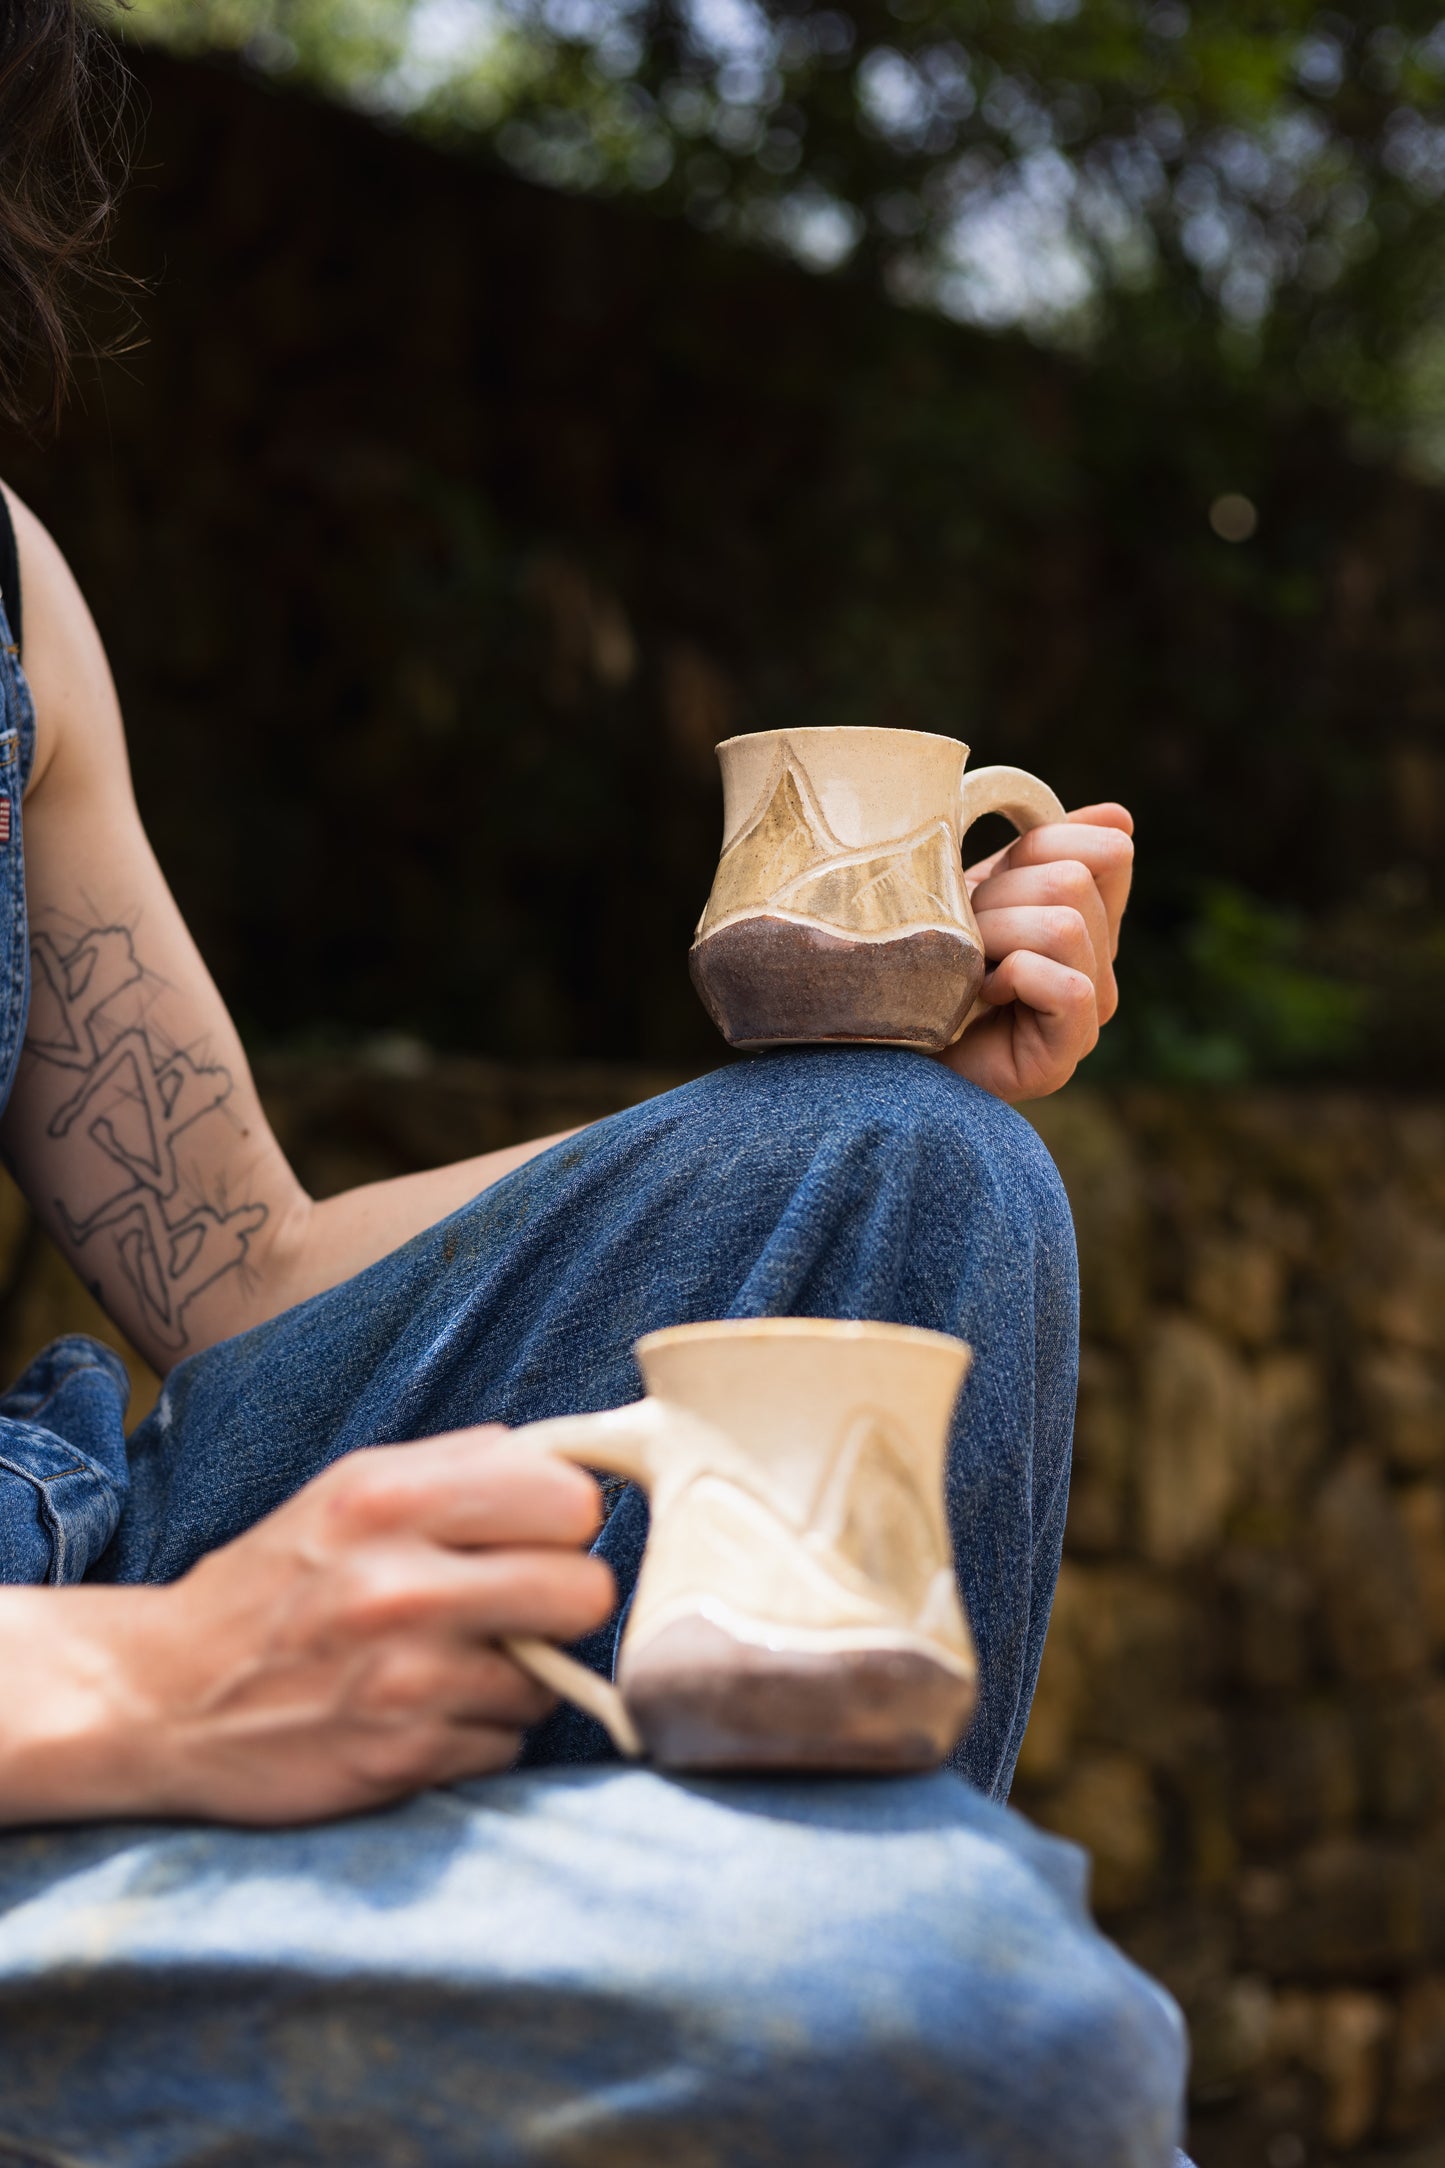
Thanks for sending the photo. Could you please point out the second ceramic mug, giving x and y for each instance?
(797, 1606)
(839, 912)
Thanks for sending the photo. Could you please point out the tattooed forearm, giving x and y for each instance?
(133, 1096)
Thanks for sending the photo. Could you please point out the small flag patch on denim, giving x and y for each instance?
(4, 817)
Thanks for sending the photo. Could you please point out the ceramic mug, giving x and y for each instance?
(797, 1606)
(839, 911)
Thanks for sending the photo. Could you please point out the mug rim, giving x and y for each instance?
(815, 1329)
(837, 730)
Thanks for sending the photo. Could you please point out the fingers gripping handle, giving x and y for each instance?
(1019, 796)
(1022, 799)
(618, 1440)
(574, 1682)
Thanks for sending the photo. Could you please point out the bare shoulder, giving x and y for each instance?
(77, 717)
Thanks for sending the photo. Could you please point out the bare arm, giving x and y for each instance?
(343, 1651)
(134, 1126)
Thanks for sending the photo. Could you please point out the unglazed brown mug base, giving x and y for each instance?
(702, 1699)
(768, 981)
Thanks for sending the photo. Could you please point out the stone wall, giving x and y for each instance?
(1242, 1709)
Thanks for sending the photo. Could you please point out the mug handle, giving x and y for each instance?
(619, 1440)
(1022, 799)
(1019, 796)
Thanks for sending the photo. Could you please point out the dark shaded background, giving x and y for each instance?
(444, 523)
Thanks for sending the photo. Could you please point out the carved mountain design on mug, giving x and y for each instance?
(914, 883)
(787, 837)
(874, 1516)
(798, 1605)
(788, 860)
(806, 940)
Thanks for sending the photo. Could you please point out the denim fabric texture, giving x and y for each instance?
(835, 1184)
(61, 1481)
(581, 1967)
(63, 1468)
(588, 1965)
(17, 758)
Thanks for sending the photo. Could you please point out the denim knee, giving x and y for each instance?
(881, 1097)
(1107, 2048)
(898, 1122)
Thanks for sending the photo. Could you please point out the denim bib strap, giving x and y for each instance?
(63, 1473)
(17, 757)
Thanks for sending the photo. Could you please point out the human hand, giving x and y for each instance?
(1048, 910)
(343, 1652)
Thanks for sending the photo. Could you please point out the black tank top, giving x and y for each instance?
(9, 571)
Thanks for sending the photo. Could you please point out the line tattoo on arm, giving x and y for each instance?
(134, 1093)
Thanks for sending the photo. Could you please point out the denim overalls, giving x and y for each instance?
(62, 1425)
(578, 1963)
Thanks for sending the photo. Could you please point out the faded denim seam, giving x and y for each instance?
(100, 1490)
(78, 1467)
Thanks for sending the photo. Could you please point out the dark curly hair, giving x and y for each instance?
(62, 160)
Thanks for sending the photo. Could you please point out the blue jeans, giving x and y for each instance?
(590, 1964)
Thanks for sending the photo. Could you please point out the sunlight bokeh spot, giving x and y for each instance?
(1233, 517)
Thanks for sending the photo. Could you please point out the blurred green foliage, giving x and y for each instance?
(1258, 181)
(529, 497)
(1236, 996)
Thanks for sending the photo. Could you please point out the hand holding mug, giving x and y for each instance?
(798, 1605)
(345, 1651)
(1048, 909)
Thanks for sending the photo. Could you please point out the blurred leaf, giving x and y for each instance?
(1255, 185)
(1236, 996)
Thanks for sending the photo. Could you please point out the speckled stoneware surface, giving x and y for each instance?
(839, 912)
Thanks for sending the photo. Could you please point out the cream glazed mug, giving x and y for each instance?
(839, 912)
(797, 1605)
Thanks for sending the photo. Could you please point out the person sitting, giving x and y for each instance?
(300, 1865)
